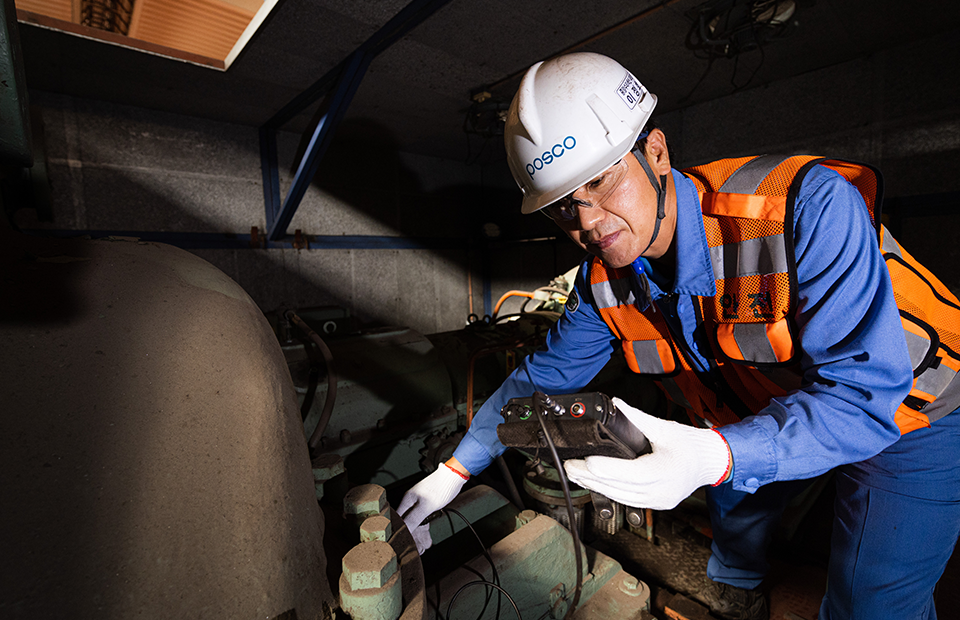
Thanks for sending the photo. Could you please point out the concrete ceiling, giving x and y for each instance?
(416, 93)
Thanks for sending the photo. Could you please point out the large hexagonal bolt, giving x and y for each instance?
(370, 584)
(631, 586)
(524, 517)
(376, 528)
(366, 500)
(325, 468)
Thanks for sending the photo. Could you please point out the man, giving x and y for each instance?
(754, 290)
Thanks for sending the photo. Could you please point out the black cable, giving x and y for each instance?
(539, 400)
(483, 583)
(486, 601)
(706, 72)
(752, 75)
(493, 567)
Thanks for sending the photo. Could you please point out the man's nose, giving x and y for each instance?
(589, 217)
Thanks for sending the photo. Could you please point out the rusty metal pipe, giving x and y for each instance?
(317, 434)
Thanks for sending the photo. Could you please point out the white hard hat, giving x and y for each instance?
(573, 117)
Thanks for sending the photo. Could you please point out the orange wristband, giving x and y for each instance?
(466, 477)
(726, 472)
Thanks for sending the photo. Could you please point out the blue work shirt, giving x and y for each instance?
(855, 364)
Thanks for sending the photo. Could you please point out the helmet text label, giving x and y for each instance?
(547, 157)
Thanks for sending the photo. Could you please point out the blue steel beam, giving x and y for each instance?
(271, 174)
(344, 80)
(229, 241)
(319, 141)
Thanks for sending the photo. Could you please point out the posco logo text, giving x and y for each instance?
(557, 150)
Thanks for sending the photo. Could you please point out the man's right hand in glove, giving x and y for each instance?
(429, 495)
(684, 459)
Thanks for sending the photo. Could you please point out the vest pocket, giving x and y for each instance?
(934, 371)
(756, 344)
(651, 357)
(922, 342)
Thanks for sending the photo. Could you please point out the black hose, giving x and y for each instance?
(511, 485)
(539, 400)
(482, 583)
(317, 434)
(493, 565)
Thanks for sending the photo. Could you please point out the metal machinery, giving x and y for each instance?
(402, 402)
(153, 458)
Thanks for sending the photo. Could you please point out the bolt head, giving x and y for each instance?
(326, 466)
(634, 518)
(376, 528)
(632, 587)
(369, 565)
(365, 500)
(525, 517)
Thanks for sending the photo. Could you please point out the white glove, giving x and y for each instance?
(427, 496)
(683, 459)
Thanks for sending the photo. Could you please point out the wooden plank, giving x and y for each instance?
(86, 32)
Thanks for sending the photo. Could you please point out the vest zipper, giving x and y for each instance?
(719, 383)
(671, 316)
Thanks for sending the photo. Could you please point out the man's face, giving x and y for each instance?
(619, 227)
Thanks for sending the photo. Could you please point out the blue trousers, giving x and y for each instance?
(896, 521)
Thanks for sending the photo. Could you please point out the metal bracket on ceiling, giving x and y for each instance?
(341, 83)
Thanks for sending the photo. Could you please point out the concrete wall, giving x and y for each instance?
(120, 168)
(116, 167)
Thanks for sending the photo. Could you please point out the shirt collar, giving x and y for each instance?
(694, 274)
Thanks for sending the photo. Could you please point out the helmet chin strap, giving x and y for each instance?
(660, 188)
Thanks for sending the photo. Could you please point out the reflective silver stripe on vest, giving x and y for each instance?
(748, 177)
(613, 293)
(648, 357)
(933, 381)
(753, 256)
(753, 342)
(889, 243)
(918, 347)
(675, 393)
(947, 401)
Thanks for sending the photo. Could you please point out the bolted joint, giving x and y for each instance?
(524, 517)
(326, 466)
(633, 587)
(558, 604)
(370, 586)
(364, 501)
(635, 517)
(376, 528)
(369, 565)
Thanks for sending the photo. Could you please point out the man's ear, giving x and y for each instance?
(658, 156)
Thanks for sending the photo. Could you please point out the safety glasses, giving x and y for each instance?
(591, 194)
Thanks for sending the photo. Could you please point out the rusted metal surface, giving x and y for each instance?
(369, 565)
(680, 607)
(326, 467)
(154, 444)
(622, 597)
(365, 501)
(533, 562)
(673, 560)
(412, 583)
(370, 587)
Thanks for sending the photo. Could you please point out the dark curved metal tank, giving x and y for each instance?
(153, 459)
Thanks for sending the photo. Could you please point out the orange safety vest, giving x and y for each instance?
(747, 206)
